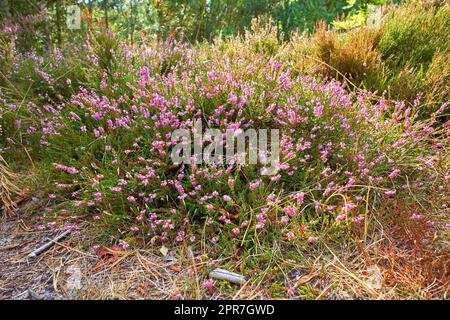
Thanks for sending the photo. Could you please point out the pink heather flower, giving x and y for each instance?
(226, 198)
(78, 203)
(123, 245)
(255, 185)
(312, 240)
(341, 218)
(284, 220)
(358, 220)
(98, 196)
(208, 283)
(348, 207)
(230, 182)
(390, 192)
(178, 296)
(290, 235)
(300, 198)
(318, 110)
(417, 217)
(115, 189)
(430, 223)
(393, 174)
(131, 199)
(72, 170)
(210, 207)
(290, 211)
(100, 177)
(52, 196)
(275, 178)
(235, 231)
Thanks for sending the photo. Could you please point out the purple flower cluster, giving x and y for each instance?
(334, 145)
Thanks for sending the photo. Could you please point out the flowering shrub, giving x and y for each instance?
(107, 145)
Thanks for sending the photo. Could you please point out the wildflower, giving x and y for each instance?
(255, 185)
(300, 198)
(290, 211)
(275, 178)
(98, 196)
(226, 198)
(208, 284)
(312, 240)
(358, 220)
(115, 189)
(341, 218)
(290, 235)
(417, 217)
(390, 192)
(393, 174)
(348, 207)
(124, 245)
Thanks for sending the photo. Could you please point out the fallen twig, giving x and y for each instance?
(48, 245)
(232, 277)
(34, 296)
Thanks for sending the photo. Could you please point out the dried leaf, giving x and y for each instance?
(164, 251)
(175, 268)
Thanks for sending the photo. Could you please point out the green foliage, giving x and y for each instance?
(402, 55)
(359, 13)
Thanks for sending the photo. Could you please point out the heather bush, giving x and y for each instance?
(106, 148)
(361, 181)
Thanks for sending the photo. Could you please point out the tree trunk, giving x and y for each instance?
(105, 4)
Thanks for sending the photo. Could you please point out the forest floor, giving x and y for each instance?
(65, 271)
(70, 270)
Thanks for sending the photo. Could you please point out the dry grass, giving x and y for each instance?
(386, 266)
(8, 188)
